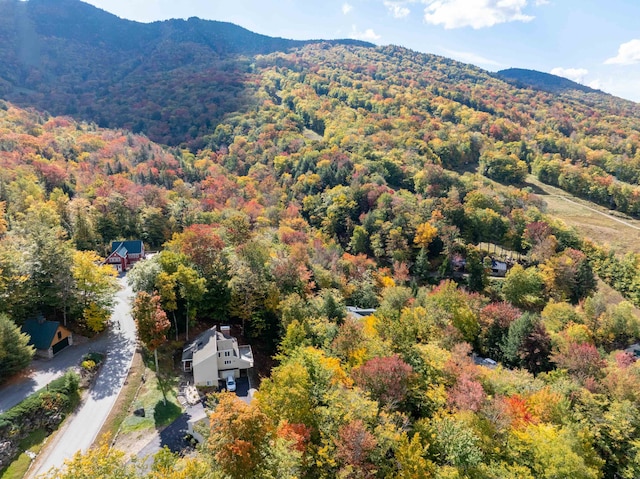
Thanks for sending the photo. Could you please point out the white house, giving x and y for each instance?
(214, 355)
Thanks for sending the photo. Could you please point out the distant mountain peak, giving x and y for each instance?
(543, 81)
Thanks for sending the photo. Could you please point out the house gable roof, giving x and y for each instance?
(40, 332)
(132, 247)
(207, 344)
(360, 313)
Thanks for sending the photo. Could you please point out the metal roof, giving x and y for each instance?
(41, 332)
(132, 246)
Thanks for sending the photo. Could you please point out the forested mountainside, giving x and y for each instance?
(352, 175)
(278, 228)
(179, 81)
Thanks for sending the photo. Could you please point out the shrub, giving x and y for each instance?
(43, 410)
(89, 365)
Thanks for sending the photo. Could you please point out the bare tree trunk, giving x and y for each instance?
(187, 321)
(175, 323)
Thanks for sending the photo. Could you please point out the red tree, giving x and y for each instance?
(354, 447)
(386, 379)
(467, 394)
(581, 360)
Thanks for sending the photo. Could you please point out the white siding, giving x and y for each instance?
(205, 373)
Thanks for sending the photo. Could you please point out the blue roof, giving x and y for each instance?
(132, 246)
(41, 332)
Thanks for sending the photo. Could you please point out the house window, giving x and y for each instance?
(227, 362)
(226, 353)
(59, 335)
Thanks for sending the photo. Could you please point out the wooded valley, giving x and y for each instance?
(280, 184)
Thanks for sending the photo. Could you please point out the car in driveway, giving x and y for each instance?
(231, 383)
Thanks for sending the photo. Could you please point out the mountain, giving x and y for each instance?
(213, 86)
(523, 78)
(170, 79)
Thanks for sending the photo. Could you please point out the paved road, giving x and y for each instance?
(80, 430)
(43, 371)
(173, 437)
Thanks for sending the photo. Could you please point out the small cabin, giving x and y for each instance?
(48, 337)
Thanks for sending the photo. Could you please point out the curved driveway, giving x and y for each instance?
(81, 429)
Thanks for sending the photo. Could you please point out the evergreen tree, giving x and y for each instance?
(15, 351)
(527, 344)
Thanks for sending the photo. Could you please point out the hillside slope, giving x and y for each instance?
(351, 180)
(189, 82)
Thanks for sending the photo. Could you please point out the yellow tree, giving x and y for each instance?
(425, 234)
(3, 221)
(95, 284)
(410, 457)
(102, 461)
(152, 322)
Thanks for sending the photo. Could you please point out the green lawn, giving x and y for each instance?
(601, 226)
(157, 414)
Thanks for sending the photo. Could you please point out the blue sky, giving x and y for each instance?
(594, 42)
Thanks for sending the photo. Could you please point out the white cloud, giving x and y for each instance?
(397, 9)
(473, 58)
(595, 84)
(539, 3)
(346, 8)
(575, 74)
(624, 86)
(628, 54)
(368, 35)
(474, 13)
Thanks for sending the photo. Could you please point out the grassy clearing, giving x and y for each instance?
(594, 225)
(32, 443)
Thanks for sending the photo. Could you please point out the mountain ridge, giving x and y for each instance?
(71, 58)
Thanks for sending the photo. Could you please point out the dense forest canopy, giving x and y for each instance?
(279, 185)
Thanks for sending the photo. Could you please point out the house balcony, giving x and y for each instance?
(246, 354)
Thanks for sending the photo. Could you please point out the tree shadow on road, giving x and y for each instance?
(115, 368)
